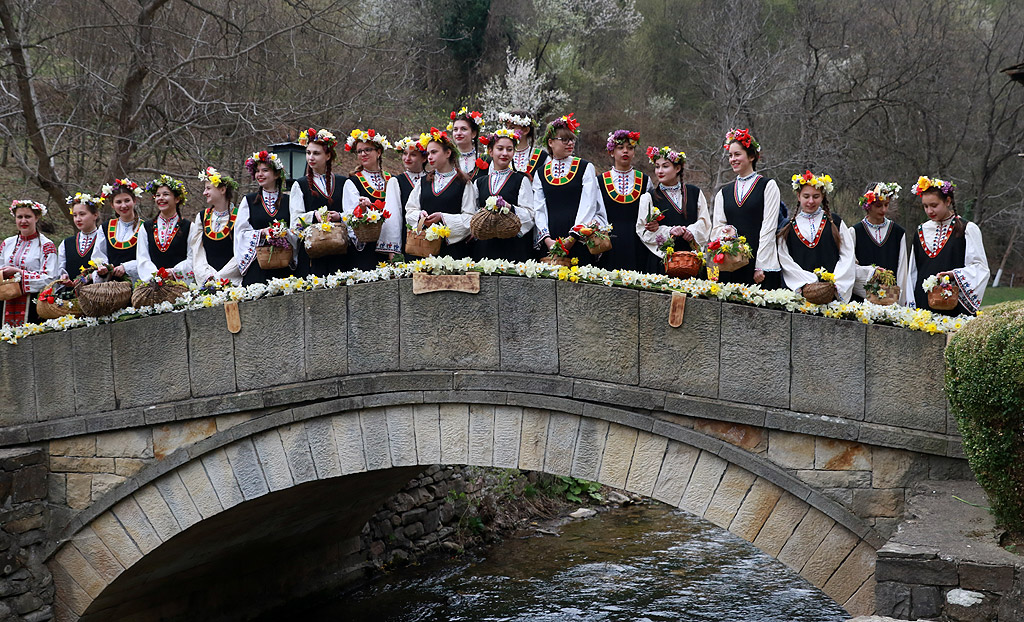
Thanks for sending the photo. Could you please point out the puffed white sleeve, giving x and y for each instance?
(99, 257)
(845, 266)
(202, 269)
(230, 272)
(904, 265)
(62, 261)
(390, 240)
(412, 206)
(649, 238)
(458, 224)
(540, 211)
(591, 206)
(908, 286)
(246, 239)
(33, 281)
(146, 266)
(793, 276)
(701, 229)
(718, 220)
(972, 279)
(767, 252)
(349, 201)
(524, 208)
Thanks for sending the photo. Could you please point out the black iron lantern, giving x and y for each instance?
(293, 156)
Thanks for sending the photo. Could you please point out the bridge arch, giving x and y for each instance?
(289, 465)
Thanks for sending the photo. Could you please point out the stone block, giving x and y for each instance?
(805, 539)
(79, 490)
(69, 595)
(828, 366)
(985, 577)
(857, 568)
(757, 506)
(179, 500)
(323, 447)
(780, 524)
(173, 436)
(829, 555)
(454, 420)
(156, 512)
(835, 479)
(903, 438)
(586, 461)
(754, 363)
(703, 483)
(77, 567)
(94, 369)
(618, 455)
(96, 552)
(54, 380)
(135, 523)
(246, 466)
(61, 464)
(376, 444)
(481, 434)
(56, 488)
(534, 439)
(925, 601)
(16, 380)
(618, 395)
(326, 332)
(508, 424)
(745, 437)
(349, 436)
(125, 444)
(116, 538)
(680, 360)
(150, 358)
(967, 606)
(211, 352)
(222, 476)
(892, 598)
(791, 451)
(102, 483)
(897, 394)
(862, 603)
(528, 328)
(875, 502)
(450, 330)
(296, 451)
(263, 361)
(714, 409)
(200, 488)
(836, 455)
(598, 333)
(273, 460)
(674, 473)
(646, 463)
(427, 429)
(895, 468)
(561, 443)
(373, 327)
(920, 571)
(84, 446)
(729, 494)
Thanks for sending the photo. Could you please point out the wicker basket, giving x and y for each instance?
(819, 292)
(320, 243)
(892, 294)
(682, 264)
(52, 310)
(273, 257)
(602, 243)
(487, 225)
(732, 263)
(939, 303)
(9, 290)
(557, 261)
(369, 232)
(99, 299)
(148, 294)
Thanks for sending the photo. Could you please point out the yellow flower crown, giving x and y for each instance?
(83, 198)
(366, 136)
(216, 178)
(821, 182)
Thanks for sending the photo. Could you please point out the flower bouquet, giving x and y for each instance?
(728, 252)
(558, 255)
(881, 288)
(368, 222)
(11, 288)
(324, 238)
(58, 299)
(822, 291)
(425, 242)
(99, 299)
(943, 293)
(679, 264)
(497, 219)
(163, 287)
(654, 215)
(596, 236)
(212, 286)
(277, 253)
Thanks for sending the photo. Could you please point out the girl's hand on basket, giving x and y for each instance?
(433, 218)
(118, 272)
(102, 271)
(10, 271)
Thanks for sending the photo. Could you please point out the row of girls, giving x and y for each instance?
(447, 179)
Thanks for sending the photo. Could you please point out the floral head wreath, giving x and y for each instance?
(217, 179)
(881, 192)
(366, 136)
(405, 143)
(83, 198)
(619, 137)
(670, 154)
(35, 206)
(121, 186)
(743, 137)
(821, 182)
(565, 121)
(933, 183)
(266, 157)
(517, 120)
(438, 136)
(176, 186)
(500, 133)
(464, 113)
(325, 138)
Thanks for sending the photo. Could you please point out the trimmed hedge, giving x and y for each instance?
(985, 385)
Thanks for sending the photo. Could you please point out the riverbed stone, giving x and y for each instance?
(757, 506)
(211, 352)
(618, 454)
(508, 423)
(450, 330)
(348, 435)
(598, 332)
(904, 395)
(828, 366)
(646, 463)
(427, 426)
(562, 432)
(325, 325)
(270, 330)
(755, 356)
(586, 462)
(780, 524)
(150, 358)
(707, 474)
(533, 444)
(373, 326)
(527, 327)
(836, 545)
(812, 529)
(454, 420)
(481, 434)
(729, 494)
(684, 359)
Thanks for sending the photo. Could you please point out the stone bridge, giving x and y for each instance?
(179, 456)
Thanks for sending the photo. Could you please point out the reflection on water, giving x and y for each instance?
(637, 563)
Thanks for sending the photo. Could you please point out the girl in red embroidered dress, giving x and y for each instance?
(30, 257)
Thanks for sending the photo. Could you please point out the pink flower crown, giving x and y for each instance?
(500, 133)
(619, 137)
(672, 155)
(35, 206)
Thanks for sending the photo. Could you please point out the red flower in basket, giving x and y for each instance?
(378, 204)
(720, 257)
(715, 244)
(50, 299)
(164, 273)
(480, 164)
(358, 211)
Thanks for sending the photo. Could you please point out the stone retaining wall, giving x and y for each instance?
(26, 587)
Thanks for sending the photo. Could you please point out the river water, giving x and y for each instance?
(639, 563)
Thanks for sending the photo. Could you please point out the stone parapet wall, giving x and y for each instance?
(26, 586)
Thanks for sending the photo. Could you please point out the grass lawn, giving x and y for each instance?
(995, 295)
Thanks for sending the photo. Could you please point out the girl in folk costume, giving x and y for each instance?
(123, 231)
(751, 205)
(163, 242)
(399, 189)
(319, 188)
(565, 190)
(946, 246)
(515, 190)
(621, 189)
(878, 243)
(75, 251)
(367, 183)
(28, 257)
(464, 129)
(212, 240)
(528, 157)
(256, 217)
(813, 238)
(683, 208)
(445, 194)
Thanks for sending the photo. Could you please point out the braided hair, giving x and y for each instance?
(453, 160)
(959, 226)
(659, 191)
(328, 174)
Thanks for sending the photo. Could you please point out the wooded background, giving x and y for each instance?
(865, 90)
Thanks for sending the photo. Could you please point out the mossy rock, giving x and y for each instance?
(985, 385)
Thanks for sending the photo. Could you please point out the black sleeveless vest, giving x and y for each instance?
(74, 262)
(376, 195)
(178, 249)
(952, 255)
(511, 249)
(563, 201)
(885, 255)
(825, 254)
(448, 202)
(313, 200)
(258, 216)
(117, 256)
(405, 187)
(676, 215)
(218, 252)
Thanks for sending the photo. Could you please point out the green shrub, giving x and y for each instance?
(985, 385)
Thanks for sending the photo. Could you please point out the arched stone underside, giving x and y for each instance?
(288, 484)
